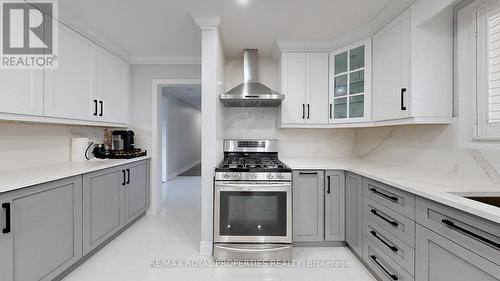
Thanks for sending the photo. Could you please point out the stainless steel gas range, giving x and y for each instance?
(253, 203)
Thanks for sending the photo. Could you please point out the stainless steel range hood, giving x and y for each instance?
(251, 93)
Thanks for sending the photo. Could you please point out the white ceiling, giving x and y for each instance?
(163, 30)
(190, 94)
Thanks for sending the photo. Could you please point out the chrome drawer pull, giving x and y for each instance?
(393, 223)
(470, 233)
(374, 258)
(392, 198)
(393, 248)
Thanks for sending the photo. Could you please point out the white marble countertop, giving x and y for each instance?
(21, 178)
(443, 189)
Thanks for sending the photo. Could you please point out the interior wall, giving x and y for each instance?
(213, 74)
(184, 133)
(140, 94)
(24, 145)
(264, 122)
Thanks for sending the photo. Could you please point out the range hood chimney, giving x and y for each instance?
(251, 93)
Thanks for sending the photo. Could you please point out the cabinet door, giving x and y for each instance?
(335, 206)
(391, 70)
(103, 208)
(308, 206)
(112, 86)
(317, 88)
(137, 191)
(354, 212)
(21, 91)
(70, 89)
(46, 227)
(293, 86)
(350, 84)
(437, 258)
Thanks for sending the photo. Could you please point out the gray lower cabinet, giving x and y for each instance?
(318, 206)
(308, 206)
(438, 258)
(103, 206)
(41, 230)
(354, 212)
(113, 198)
(335, 206)
(136, 191)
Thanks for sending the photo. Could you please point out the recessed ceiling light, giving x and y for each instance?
(243, 2)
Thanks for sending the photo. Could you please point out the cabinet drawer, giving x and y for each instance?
(383, 266)
(396, 199)
(395, 223)
(393, 247)
(441, 259)
(478, 235)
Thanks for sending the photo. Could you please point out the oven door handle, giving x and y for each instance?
(256, 250)
(253, 187)
(262, 188)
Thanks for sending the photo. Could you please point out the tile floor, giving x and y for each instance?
(173, 236)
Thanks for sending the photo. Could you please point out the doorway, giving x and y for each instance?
(176, 133)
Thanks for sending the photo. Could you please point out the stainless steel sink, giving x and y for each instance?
(490, 200)
(488, 197)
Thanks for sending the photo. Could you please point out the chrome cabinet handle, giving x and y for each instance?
(328, 188)
(394, 277)
(393, 223)
(392, 198)
(308, 110)
(470, 233)
(128, 176)
(303, 111)
(393, 248)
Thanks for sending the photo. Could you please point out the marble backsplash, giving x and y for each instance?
(24, 145)
(433, 150)
(296, 143)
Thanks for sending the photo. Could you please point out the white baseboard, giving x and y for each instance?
(206, 248)
(183, 169)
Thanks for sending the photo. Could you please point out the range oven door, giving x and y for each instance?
(253, 212)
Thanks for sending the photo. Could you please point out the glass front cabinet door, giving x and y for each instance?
(350, 84)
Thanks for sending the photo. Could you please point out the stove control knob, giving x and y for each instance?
(226, 176)
(270, 176)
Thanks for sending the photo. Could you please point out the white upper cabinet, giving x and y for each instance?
(70, 89)
(350, 84)
(89, 84)
(293, 86)
(305, 86)
(21, 91)
(413, 67)
(112, 87)
(391, 70)
(316, 88)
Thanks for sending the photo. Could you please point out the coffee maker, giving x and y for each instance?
(123, 140)
(122, 146)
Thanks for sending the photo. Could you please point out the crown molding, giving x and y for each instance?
(81, 28)
(206, 21)
(394, 8)
(165, 60)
